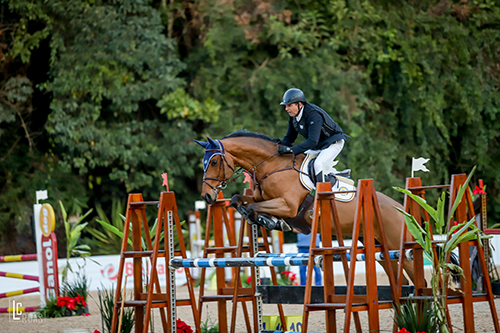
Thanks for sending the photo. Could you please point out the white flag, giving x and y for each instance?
(41, 195)
(418, 164)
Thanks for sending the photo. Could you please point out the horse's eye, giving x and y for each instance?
(214, 162)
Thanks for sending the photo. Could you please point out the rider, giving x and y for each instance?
(322, 134)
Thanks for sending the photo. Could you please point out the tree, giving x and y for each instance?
(403, 79)
(118, 117)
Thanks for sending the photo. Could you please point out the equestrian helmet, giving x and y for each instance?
(293, 95)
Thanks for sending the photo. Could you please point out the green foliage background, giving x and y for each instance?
(99, 98)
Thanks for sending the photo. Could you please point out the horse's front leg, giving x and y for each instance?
(279, 207)
(237, 200)
(240, 202)
(264, 213)
(269, 214)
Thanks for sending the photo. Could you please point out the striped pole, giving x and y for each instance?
(19, 276)
(19, 292)
(243, 262)
(275, 259)
(20, 309)
(379, 256)
(19, 257)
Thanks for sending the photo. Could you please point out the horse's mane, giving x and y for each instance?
(244, 133)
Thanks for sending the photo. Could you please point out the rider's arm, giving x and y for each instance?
(314, 122)
(291, 134)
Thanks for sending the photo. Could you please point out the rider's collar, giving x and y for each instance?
(299, 116)
(210, 151)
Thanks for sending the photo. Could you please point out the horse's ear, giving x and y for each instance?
(201, 143)
(212, 142)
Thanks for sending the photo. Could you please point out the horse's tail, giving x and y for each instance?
(455, 274)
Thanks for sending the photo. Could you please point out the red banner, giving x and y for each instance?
(50, 271)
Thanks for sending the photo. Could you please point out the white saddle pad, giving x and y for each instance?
(343, 185)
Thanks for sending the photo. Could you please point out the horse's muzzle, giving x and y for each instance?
(208, 199)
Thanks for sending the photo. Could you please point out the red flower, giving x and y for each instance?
(86, 314)
(80, 300)
(182, 327)
(97, 331)
(62, 301)
(71, 303)
(249, 280)
(478, 190)
(403, 330)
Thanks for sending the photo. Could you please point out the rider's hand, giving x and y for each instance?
(284, 150)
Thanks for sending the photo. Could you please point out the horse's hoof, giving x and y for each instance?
(235, 201)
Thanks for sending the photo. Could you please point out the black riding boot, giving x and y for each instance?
(319, 178)
(330, 178)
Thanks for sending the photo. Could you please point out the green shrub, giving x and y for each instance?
(416, 316)
(106, 305)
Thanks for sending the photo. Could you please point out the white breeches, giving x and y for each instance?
(327, 155)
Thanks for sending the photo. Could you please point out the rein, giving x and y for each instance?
(236, 174)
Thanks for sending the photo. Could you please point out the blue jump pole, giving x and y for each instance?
(274, 259)
(243, 262)
(379, 256)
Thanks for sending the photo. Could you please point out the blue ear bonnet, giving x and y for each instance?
(212, 148)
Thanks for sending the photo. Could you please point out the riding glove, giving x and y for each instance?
(284, 150)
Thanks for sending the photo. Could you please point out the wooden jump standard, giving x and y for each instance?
(143, 302)
(217, 217)
(367, 209)
(464, 295)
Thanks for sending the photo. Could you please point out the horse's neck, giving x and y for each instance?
(248, 153)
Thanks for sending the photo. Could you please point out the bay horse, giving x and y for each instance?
(278, 191)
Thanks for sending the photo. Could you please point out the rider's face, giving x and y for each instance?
(293, 109)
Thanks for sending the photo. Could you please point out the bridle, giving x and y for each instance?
(223, 182)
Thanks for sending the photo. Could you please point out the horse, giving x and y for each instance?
(278, 192)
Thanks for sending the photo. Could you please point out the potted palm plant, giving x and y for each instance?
(460, 232)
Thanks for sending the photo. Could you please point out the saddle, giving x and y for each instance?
(327, 177)
(340, 180)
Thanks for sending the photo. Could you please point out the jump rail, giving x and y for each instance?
(379, 256)
(19, 257)
(275, 259)
(20, 276)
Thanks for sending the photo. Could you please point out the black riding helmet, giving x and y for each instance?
(293, 95)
